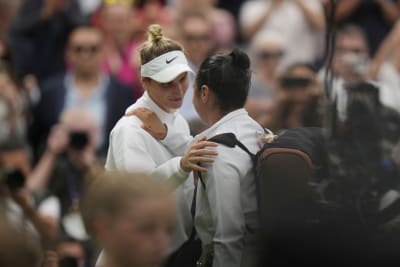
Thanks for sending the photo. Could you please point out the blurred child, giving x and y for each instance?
(131, 217)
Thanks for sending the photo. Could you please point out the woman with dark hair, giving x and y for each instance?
(226, 208)
(226, 196)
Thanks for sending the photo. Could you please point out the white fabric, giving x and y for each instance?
(187, 110)
(50, 207)
(389, 77)
(301, 41)
(132, 149)
(227, 206)
(166, 67)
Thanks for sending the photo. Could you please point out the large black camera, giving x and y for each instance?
(78, 140)
(14, 179)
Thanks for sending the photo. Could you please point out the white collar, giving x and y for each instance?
(146, 102)
(228, 117)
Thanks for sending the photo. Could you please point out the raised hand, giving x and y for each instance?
(200, 152)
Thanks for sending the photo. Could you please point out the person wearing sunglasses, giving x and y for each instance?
(298, 99)
(84, 85)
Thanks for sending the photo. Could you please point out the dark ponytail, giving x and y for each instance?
(228, 76)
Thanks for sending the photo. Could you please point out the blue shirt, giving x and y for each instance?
(95, 104)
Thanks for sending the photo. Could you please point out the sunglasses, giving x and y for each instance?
(267, 55)
(295, 83)
(91, 49)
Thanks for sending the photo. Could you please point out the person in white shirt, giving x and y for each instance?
(226, 208)
(164, 75)
(226, 198)
(300, 23)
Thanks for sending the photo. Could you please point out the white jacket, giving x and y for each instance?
(132, 149)
(226, 207)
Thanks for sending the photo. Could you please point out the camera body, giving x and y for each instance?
(78, 140)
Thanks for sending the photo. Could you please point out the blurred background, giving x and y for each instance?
(70, 68)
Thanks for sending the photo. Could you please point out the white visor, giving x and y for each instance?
(166, 67)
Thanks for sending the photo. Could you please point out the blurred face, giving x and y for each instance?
(117, 22)
(141, 235)
(197, 39)
(168, 96)
(299, 85)
(351, 56)
(84, 51)
(268, 58)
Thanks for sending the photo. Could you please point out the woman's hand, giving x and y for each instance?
(198, 154)
(150, 122)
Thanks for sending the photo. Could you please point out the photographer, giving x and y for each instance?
(298, 101)
(59, 179)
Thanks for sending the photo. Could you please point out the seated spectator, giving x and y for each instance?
(84, 85)
(121, 59)
(385, 68)
(39, 34)
(130, 216)
(8, 9)
(267, 51)
(376, 18)
(195, 34)
(300, 23)
(298, 99)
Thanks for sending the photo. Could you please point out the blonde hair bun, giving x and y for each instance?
(155, 34)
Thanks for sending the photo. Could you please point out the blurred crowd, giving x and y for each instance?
(70, 68)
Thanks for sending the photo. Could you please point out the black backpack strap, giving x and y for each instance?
(229, 140)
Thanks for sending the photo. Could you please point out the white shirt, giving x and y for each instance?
(389, 77)
(227, 206)
(132, 149)
(302, 43)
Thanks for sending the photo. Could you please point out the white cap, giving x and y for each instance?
(166, 67)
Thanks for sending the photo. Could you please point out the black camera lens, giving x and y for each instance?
(78, 140)
(14, 179)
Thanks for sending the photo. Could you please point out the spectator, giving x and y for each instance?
(195, 34)
(69, 157)
(267, 51)
(130, 216)
(223, 24)
(151, 12)
(375, 17)
(8, 9)
(299, 97)
(385, 68)
(121, 57)
(300, 22)
(39, 34)
(84, 85)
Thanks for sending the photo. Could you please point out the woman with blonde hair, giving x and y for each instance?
(164, 76)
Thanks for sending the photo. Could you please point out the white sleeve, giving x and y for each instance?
(50, 207)
(251, 11)
(222, 183)
(128, 152)
(178, 137)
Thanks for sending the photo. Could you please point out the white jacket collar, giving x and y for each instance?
(228, 117)
(146, 102)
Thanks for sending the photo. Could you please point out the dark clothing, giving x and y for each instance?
(38, 45)
(370, 18)
(53, 96)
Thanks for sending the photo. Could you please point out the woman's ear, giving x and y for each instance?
(144, 82)
(204, 94)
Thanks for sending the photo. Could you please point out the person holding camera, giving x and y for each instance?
(59, 179)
